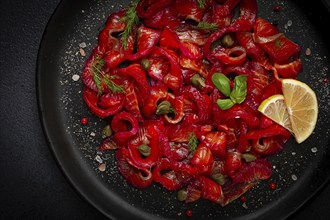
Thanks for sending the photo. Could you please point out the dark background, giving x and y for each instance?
(32, 185)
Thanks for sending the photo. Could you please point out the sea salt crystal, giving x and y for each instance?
(98, 159)
(289, 23)
(245, 205)
(293, 153)
(93, 134)
(294, 177)
(102, 167)
(82, 52)
(314, 149)
(75, 77)
(82, 45)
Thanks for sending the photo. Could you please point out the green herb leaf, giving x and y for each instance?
(99, 77)
(131, 18)
(225, 104)
(222, 83)
(112, 86)
(207, 26)
(192, 142)
(201, 3)
(98, 80)
(239, 92)
(98, 73)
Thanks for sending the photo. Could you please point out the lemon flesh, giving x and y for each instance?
(296, 110)
(302, 107)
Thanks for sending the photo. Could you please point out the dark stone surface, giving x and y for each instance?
(32, 185)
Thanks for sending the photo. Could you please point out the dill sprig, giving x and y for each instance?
(99, 76)
(112, 86)
(192, 142)
(207, 26)
(131, 18)
(201, 3)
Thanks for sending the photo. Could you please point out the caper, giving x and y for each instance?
(219, 178)
(164, 108)
(197, 81)
(182, 195)
(144, 150)
(106, 131)
(227, 40)
(249, 157)
(145, 63)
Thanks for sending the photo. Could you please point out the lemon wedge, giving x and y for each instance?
(274, 108)
(296, 109)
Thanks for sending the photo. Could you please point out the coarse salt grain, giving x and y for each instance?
(289, 23)
(82, 45)
(294, 177)
(75, 77)
(102, 167)
(82, 52)
(314, 149)
(98, 159)
(308, 52)
(244, 205)
(93, 134)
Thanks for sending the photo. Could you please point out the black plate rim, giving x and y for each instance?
(67, 170)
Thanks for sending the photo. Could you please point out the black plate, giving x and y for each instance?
(299, 171)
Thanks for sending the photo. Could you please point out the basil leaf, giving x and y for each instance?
(239, 92)
(222, 83)
(225, 104)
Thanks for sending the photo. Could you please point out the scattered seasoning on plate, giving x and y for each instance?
(275, 23)
(308, 51)
(93, 134)
(325, 80)
(277, 8)
(82, 52)
(273, 186)
(189, 212)
(102, 167)
(294, 177)
(245, 205)
(314, 149)
(82, 45)
(98, 159)
(243, 198)
(75, 77)
(84, 121)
